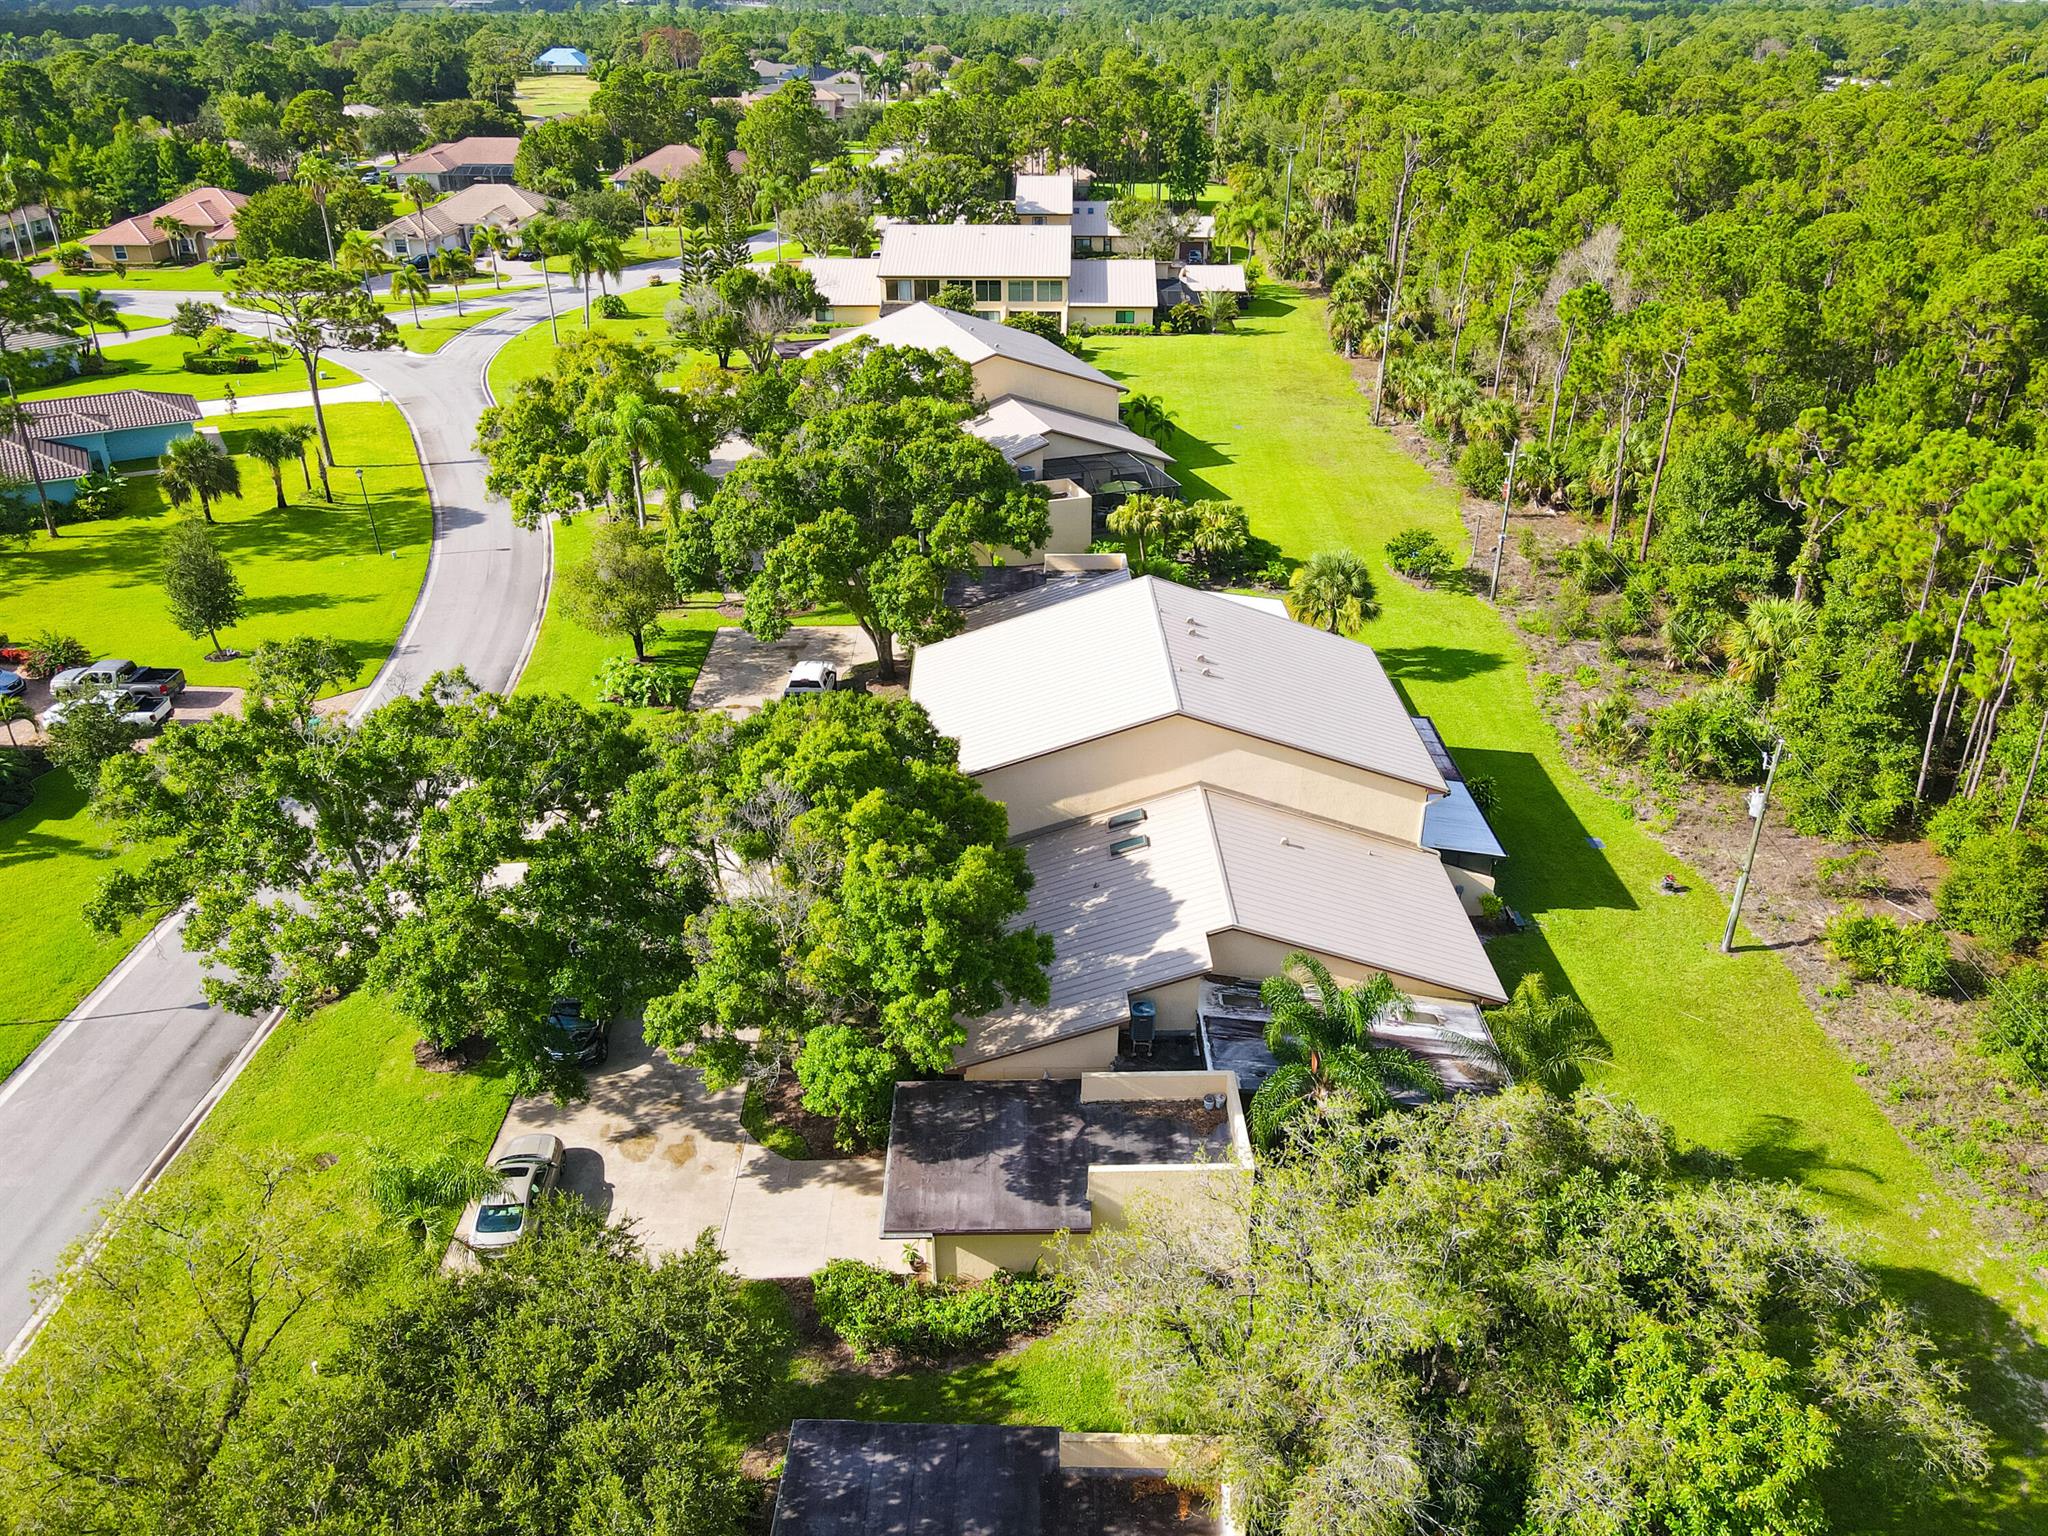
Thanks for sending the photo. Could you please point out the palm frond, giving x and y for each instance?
(1279, 1098)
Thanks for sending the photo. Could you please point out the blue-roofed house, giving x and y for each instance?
(562, 61)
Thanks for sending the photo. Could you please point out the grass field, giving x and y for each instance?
(310, 569)
(435, 331)
(158, 362)
(540, 96)
(52, 855)
(1722, 1047)
(479, 292)
(198, 278)
(527, 355)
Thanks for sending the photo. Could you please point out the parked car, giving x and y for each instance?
(142, 682)
(808, 677)
(143, 714)
(421, 262)
(12, 685)
(530, 1167)
(573, 1037)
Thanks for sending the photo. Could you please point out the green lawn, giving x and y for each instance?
(310, 569)
(197, 278)
(480, 291)
(539, 96)
(158, 362)
(1723, 1048)
(52, 855)
(435, 332)
(532, 353)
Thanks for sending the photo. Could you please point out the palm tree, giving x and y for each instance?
(544, 233)
(11, 710)
(173, 230)
(481, 244)
(301, 434)
(1146, 415)
(772, 192)
(1349, 323)
(453, 268)
(320, 176)
(1220, 310)
(634, 432)
(423, 1199)
(1335, 590)
(197, 468)
(274, 447)
(1540, 1039)
(408, 282)
(1146, 519)
(362, 256)
(1764, 639)
(592, 250)
(422, 192)
(1321, 1035)
(643, 186)
(93, 309)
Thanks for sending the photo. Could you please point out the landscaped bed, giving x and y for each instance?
(158, 362)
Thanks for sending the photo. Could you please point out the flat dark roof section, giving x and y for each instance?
(1014, 1156)
(844, 1478)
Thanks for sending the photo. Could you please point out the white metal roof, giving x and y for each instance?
(1212, 861)
(1045, 194)
(969, 338)
(1215, 277)
(1122, 282)
(1142, 650)
(1455, 824)
(849, 282)
(1091, 220)
(1018, 426)
(976, 250)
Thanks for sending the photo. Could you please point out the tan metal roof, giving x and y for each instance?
(1121, 282)
(1018, 426)
(976, 250)
(1213, 277)
(969, 338)
(1213, 861)
(1142, 650)
(849, 282)
(1046, 194)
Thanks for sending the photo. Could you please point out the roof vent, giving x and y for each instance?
(1124, 845)
(1124, 819)
(1210, 672)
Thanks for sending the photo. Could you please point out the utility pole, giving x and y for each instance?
(375, 537)
(1507, 500)
(1759, 801)
(1287, 198)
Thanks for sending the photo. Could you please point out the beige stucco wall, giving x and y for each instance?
(1177, 1003)
(1071, 515)
(1254, 957)
(1470, 885)
(995, 377)
(1132, 766)
(1093, 314)
(976, 1256)
(1092, 1052)
(1113, 1190)
(853, 314)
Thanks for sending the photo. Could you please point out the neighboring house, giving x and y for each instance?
(1116, 291)
(24, 228)
(1199, 278)
(1045, 200)
(1457, 828)
(1144, 687)
(673, 160)
(845, 87)
(1010, 268)
(851, 287)
(74, 437)
(562, 61)
(771, 73)
(188, 227)
(1096, 234)
(464, 162)
(448, 224)
(845, 1478)
(1005, 360)
(981, 1174)
(47, 355)
(1046, 443)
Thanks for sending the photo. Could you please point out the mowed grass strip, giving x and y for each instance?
(158, 362)
(435, 331)
(311, 568)
(1723, 1048)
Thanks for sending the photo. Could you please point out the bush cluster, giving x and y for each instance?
(874, 1310)
(1997, 890)
(1711, 734)
(1420, 555)
(1873, 947)
(2016, 1021)
(222, 362)
(622, 680)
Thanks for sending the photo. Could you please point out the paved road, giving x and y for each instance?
(90, 1113)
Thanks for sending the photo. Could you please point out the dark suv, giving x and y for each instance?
(573, 1038)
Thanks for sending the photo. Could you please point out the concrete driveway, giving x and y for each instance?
(650, 1144)
(740, 673)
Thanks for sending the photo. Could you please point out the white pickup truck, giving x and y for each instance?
(136, 681)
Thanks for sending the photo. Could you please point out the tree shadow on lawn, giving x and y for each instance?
(1434, 664)
(1551, 866)
(2005, 1384)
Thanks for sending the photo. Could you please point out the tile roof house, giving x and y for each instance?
(448, 224)
(460, 163)
(189, 226)
(76, 435)
(843, 1478)
(673, 160)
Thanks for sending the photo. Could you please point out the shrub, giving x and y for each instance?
(1853, 874)
(1485, 794)
(1187, 320)
(612, 307)
(2015, 1021)
(1164, 569)
(1609, 729)
(195, 318)
(223, 362)
(622, 680)
(1961, 819)
(49, 653)
(657, 281)
(1482, 469)
(1420, 555)
(1709, 735)
(1044, 327)
(1873, 947)
(73, 258)
(96, 495)
(1571, 612)
(1998, 890)
(874, 1310)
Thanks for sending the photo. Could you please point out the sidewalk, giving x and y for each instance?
(294, 399)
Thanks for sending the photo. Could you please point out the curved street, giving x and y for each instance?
(115, 1090)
